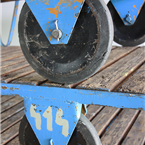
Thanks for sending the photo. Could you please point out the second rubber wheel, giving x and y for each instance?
(84, 133)
(128, 35)
(87, 50)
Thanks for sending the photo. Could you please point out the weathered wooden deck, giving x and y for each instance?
(124, 71)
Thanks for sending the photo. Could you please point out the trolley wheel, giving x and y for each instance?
(86, 51)
(84, 133)
(128, 35)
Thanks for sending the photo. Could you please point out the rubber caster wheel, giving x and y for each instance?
(128, 35)
(84, 133)
(87, 49)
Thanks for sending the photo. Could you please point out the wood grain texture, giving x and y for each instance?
(116, 130)
(137, 133)
(136, 83)
(107, 77)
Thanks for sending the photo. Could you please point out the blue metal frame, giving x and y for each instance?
(12, 25)
(128, 10)
(50, 109)
(65, 11)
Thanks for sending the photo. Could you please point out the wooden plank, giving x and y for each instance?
(9, 62)
(10, 132)
(104, 118)
(93, 110)
(5, 97)
(136, 83)
(12, 68)
(137, 133)
(10, 49)
(17, 73)
(10, 102)
(31, 78)
(13, 56)
(107, 77)
(119, 128)
(12, 110)
(8, 54)
(12, 119)
(15, 141)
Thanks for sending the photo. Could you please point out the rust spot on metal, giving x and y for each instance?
(4, 88)
(48, 22)
(79, 1)
(50, 30)
(15, 11)
(50, 38)
(75, 7)
(75, 16)
(134, 17)
(134, 6)
(14, 89)
(77, 108)
(46, 3)
(56, 9)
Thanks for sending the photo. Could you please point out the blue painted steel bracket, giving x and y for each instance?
(114, 99)
(12, 25)
(128, 10)
(65, 11)
(52, 121)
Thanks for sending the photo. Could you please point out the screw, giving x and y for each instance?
(56, 34)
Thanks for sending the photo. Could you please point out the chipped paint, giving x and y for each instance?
(134, 6)
(75, 7)
(50, 37)
(4, 88)
(15, 11)
(56, 9)
(46, 3)
(77, 108)
(79, 1)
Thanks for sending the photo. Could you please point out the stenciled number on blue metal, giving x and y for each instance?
(48, 115)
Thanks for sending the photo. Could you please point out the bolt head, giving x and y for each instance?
(57, 34)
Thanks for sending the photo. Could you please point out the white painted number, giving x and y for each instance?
(36, 116)
(48, 115)
(62, 122)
